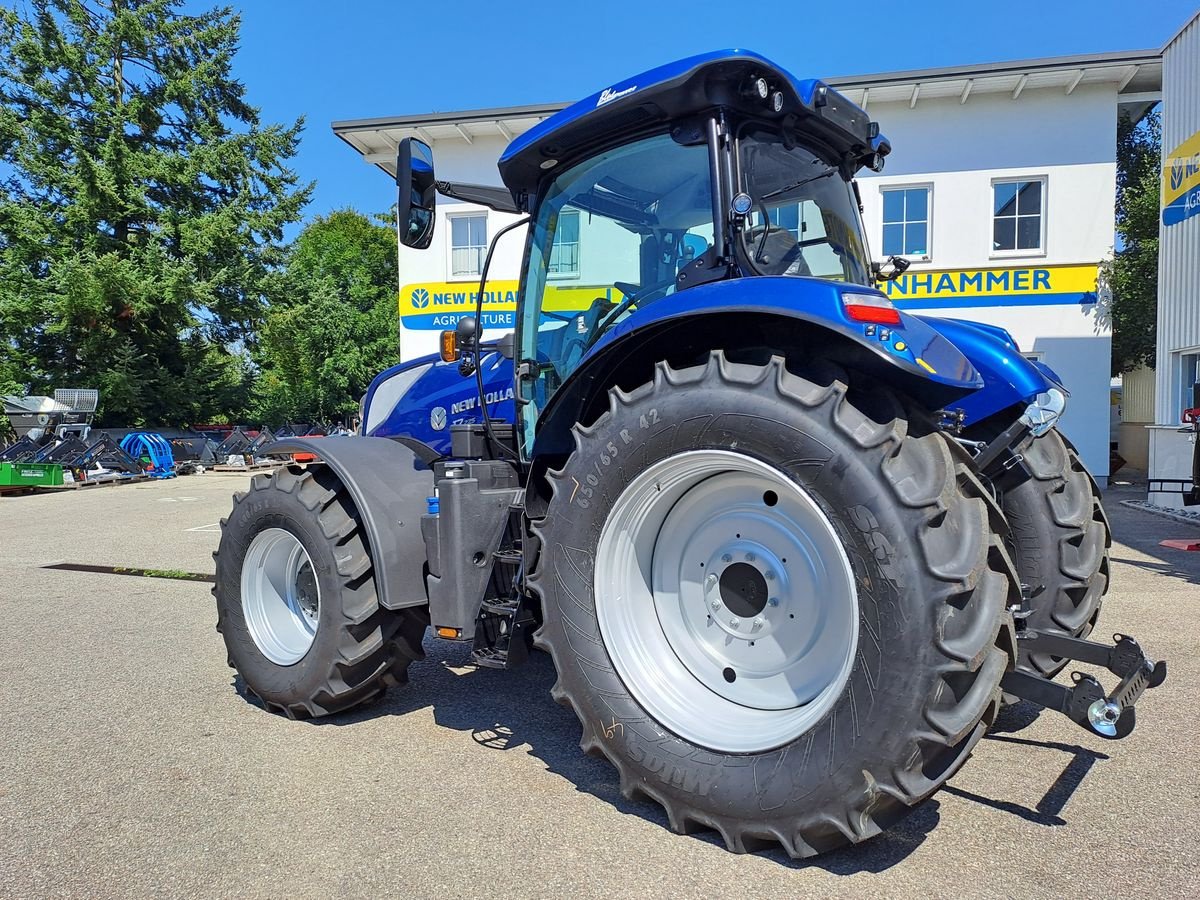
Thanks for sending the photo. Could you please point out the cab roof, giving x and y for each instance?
(827, 120)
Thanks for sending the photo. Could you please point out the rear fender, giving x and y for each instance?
(389, 485)
(800, 318)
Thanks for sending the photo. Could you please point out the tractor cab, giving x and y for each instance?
(714, 168)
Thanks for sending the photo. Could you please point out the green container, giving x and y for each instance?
(30, 474)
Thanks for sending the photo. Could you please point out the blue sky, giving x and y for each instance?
(364, 58)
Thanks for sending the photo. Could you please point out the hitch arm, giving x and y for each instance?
(1109, 716)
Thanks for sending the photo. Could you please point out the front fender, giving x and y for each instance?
(1009, 378)
(389, 485)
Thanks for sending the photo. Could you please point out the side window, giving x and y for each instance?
(1018, 216)
(468, 243)
(906, 222)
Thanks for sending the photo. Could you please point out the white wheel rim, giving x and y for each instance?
(726, 601)
(281, 599)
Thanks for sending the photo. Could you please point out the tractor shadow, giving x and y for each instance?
(513, 711)
(1048, 810)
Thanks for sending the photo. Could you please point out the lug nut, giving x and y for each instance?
(759, 622)
(770, 575)
(774, 601)
(711, 581)
(735, 622)
(749, 557)
(726, 557)
(716, 604)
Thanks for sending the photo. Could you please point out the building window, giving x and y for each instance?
(564, 252)
(1018, 217)
(906, 222)
(468, 244)
(1189, 393)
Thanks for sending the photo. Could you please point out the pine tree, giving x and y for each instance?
(142, 206)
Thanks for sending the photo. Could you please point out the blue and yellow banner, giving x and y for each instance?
(438, 305)
(1020, 286)
(1181, 182)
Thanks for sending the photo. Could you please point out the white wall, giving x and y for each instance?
(959, 149)
(1178, 271)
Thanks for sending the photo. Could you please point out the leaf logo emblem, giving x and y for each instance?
(420, 298)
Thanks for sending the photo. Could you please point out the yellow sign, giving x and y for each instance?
(1181, 182)
(1023, 286)
(437, 305)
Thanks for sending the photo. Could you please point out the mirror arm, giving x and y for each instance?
(496, 198)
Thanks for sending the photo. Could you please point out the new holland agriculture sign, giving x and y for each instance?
(1181, 182)
(435, 306)
(438, 305)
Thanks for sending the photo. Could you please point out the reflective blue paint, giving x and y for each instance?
(442, 386)
(1008, 377)
(816, 300)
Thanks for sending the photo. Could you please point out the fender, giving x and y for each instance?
(389, 485)
(769, 312)
(1008, 377)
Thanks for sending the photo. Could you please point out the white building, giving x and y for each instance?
(1000, 191)
(1177, 371)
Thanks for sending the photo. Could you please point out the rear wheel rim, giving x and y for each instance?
(281, 600)
(726, 601)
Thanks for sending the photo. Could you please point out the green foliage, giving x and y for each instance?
(336, 329)
(142, 207)
(1133, 273)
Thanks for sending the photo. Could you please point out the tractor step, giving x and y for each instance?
(1109, 716)
(502, 632)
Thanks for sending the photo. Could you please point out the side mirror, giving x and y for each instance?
(417, 193)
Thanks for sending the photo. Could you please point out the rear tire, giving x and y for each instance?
(929, 574)
(1060, 540)
(337, 652)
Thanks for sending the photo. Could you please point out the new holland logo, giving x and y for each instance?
(437, 418)
(420, 298)
(1176, 174)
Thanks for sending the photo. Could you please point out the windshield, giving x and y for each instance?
(610, 236)
(805, 219)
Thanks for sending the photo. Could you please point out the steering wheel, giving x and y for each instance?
(633, 294)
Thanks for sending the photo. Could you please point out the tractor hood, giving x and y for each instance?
(669, 95)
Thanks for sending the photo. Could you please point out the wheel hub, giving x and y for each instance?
(743, 589)
(726, 600)
(281, 599)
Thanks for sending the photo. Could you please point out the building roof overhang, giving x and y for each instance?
(1136, 75)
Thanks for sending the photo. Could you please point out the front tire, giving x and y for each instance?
(894, 564)
(1060, 539)
(296, 599)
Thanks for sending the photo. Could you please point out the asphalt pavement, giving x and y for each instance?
(131, 766)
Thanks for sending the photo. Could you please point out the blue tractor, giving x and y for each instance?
(790, 548)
